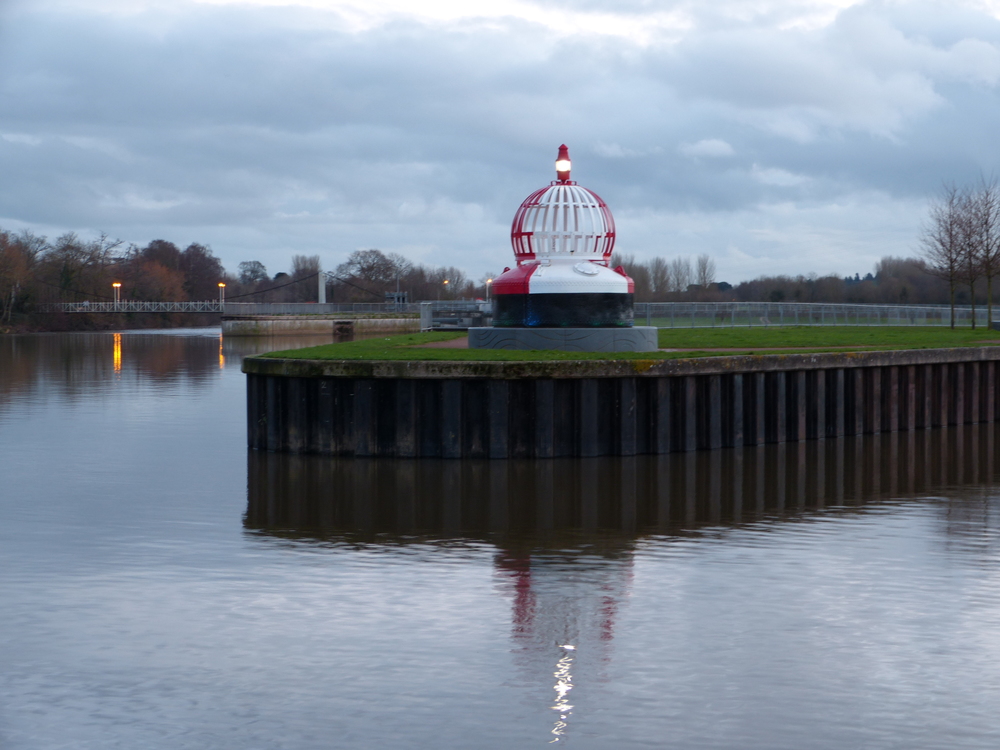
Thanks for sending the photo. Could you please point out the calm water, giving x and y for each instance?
(162, 588)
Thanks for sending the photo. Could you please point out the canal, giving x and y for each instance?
(162, 587)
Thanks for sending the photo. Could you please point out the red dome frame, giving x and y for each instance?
(557, 212)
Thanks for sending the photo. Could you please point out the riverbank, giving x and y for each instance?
(63, 322)
(92, 322)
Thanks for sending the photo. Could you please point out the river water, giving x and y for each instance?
(161, 587)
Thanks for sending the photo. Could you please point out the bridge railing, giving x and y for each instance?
(132, 306)
(230, 308)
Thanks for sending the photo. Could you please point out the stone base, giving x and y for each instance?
(635, 339)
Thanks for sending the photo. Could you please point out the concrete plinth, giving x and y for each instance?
(635, 339)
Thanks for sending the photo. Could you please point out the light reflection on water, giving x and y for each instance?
(163, 587)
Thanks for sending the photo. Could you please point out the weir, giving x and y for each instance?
(622, 407)
(321, 325)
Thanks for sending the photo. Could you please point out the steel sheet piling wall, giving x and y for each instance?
(445, 411)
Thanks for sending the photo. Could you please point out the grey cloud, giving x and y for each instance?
(265, 134)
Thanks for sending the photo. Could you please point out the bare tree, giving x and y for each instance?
(705, 274)
(984, 235)
(659, 277)
(15, 267)
(970, 267)
(942, 240)
(680, 269)
(304, 269)
(373, 267)
(252, 272)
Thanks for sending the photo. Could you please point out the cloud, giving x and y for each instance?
(268, 131)
(707, 147)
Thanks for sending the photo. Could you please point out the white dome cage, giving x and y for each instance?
(564, 221)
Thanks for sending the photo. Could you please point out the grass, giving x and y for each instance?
(826, 337)
(403, 347)
(698, 342)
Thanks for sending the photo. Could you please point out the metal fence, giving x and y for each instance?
(750, 314)
(231, 308)
(464, 314)
(317, 308)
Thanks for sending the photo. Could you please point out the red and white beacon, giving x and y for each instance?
(563, 236)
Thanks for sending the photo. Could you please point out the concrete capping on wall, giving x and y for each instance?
(611, 368)
(592, 408)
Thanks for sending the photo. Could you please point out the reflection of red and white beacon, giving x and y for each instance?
(564, 615)
(563, 236)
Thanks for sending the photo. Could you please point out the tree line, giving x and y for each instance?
(34, 271)
(960, 259)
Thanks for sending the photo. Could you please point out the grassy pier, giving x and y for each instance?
(675, 343)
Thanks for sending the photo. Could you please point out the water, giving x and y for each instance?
(162, 588)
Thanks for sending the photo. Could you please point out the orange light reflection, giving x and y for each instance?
(118, 353)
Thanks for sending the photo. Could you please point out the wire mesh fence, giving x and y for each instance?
(750, 314)
(460, 313)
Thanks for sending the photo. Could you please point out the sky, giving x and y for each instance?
(778, 137)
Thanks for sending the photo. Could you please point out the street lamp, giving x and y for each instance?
(222, 294)
(445, 284)
(488, 282)
(118, 289)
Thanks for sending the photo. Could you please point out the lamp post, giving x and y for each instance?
(488, 282)
(118, 289)
(222, 295)
(445, 285)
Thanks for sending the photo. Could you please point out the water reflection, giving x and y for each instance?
(802, 596)
(72, 365)
(555, 501)
(566, 531)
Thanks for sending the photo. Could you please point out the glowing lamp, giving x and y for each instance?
(563, 164)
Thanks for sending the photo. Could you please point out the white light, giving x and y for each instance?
(562, 165)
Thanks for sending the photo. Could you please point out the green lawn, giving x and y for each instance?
(700, 340)
(873, 337)
(401, 347)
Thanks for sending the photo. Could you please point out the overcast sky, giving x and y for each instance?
(776, 136)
